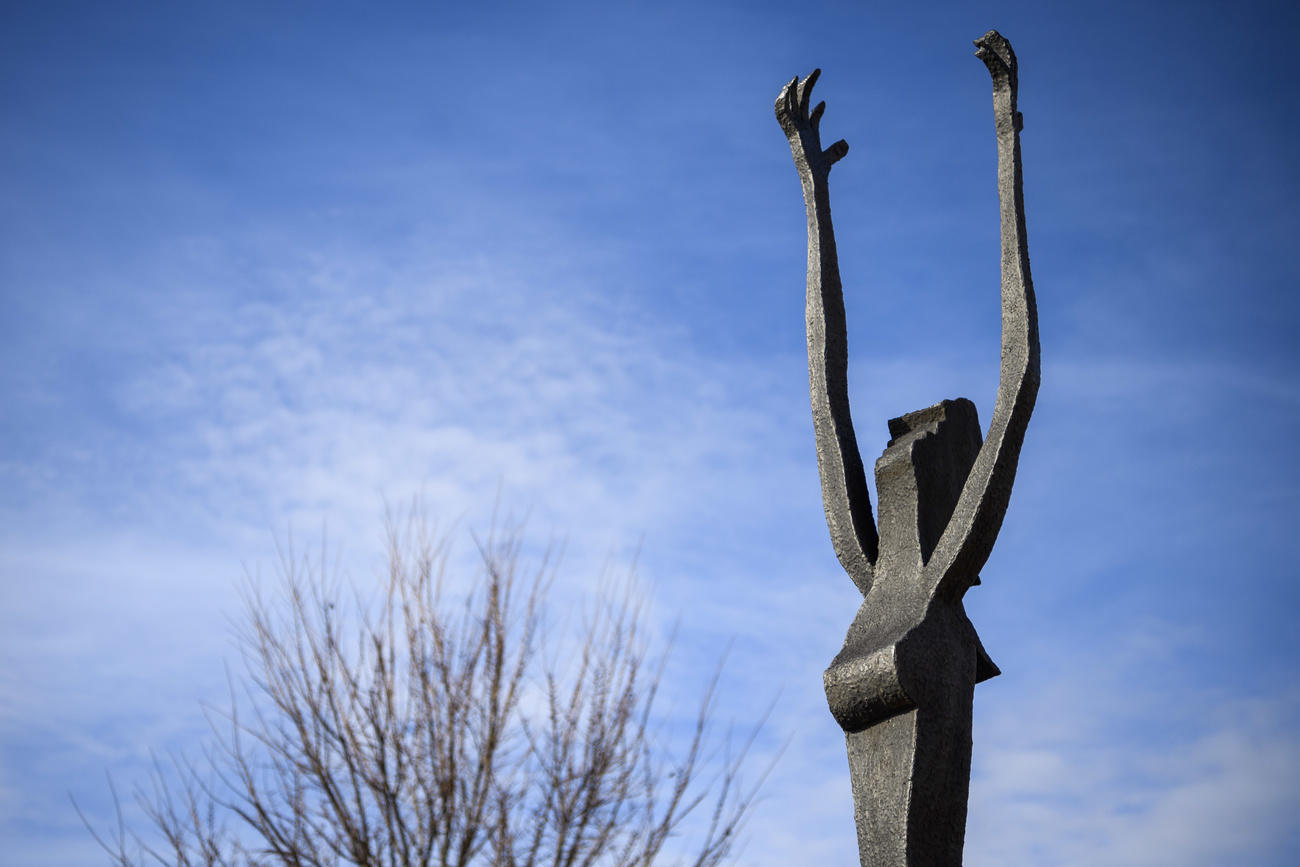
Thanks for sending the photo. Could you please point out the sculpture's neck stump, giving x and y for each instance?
(920, 477)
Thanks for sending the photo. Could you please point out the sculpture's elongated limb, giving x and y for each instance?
(845, 496)
(969, 536)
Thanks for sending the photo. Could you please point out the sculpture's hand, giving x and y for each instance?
(994, 49)
(802, 128)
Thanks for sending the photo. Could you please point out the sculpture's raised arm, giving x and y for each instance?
(969, 536)
(844, 485)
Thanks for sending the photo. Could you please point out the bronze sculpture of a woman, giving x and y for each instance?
(903, 684)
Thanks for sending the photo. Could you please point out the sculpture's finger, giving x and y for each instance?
(815, 118)
(836, 152)
(784, 103)
(805, 91)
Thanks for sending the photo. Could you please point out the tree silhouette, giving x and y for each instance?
(424, 729)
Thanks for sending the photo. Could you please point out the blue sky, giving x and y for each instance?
(267, 267)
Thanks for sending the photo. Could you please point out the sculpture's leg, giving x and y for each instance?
(911, 776)
(911, 772)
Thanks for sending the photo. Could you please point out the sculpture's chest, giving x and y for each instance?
(919, 479)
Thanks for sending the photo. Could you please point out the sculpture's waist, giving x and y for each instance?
(894, 660)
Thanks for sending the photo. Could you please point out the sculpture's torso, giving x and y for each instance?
(906, 635)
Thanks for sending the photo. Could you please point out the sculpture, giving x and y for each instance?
(903, 685)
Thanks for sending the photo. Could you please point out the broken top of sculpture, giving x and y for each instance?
(903, 684)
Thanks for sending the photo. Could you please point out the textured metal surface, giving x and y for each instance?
(903, 684)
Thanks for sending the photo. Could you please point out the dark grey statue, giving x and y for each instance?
(903, 685)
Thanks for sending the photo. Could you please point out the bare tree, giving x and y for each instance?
(430, 730)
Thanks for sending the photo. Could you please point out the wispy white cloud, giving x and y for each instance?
(1093, 773)
(611, 430)
(272, 416)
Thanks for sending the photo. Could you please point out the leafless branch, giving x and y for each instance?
(429, 730)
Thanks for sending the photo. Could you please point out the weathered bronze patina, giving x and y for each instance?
(903, 685)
